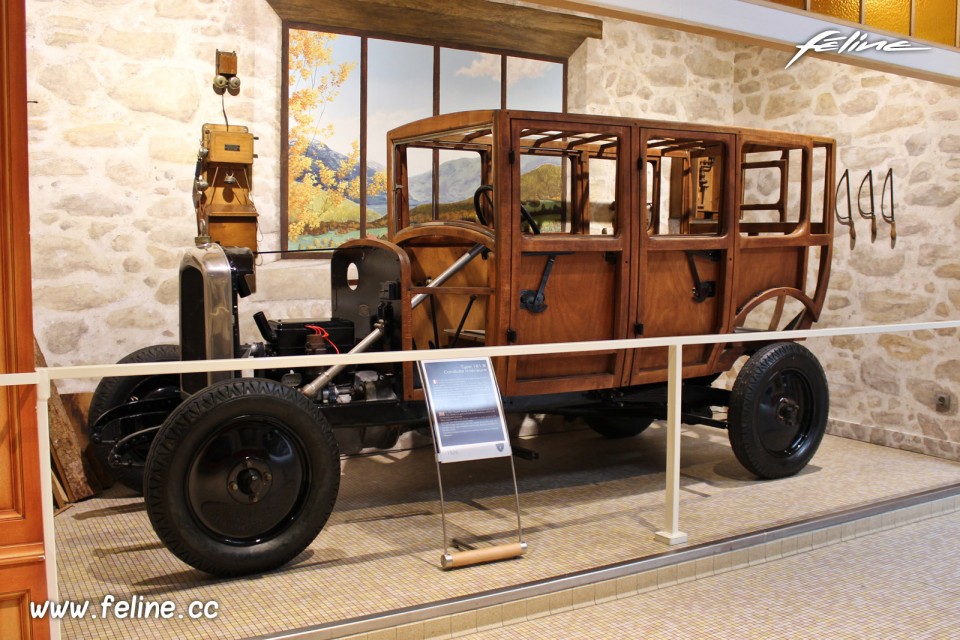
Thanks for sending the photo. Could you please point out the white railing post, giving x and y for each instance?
(671, 533)
(46, 491)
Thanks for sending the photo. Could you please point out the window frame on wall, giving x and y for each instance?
(437, 47)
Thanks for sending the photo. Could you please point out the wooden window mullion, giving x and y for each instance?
(363, 137)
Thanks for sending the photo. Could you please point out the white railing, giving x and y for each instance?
(42, 378)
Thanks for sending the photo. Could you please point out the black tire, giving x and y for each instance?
(113, 392)
(616, 427)
(242, 477)
(778, 410)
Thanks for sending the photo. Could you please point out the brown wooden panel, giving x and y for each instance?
(467, 23)
(20, 554)
(564, 384)
(11, 471)
(559, 243)
(654, 359)
(29, 586)
(448, 307)
(430, 254)
(564, 366)
(669, 307)
(761, 269)
(21, 521)
(22, 566)
(582, 296)
(664, 303)
(14, 614)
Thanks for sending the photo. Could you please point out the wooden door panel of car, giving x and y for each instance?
(569, 272)
(580, 303)
(683, 246)
(784, 231)
(672, 306)
(762, 269)
(459, 313)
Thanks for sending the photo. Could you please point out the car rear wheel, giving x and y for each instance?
(778, 410)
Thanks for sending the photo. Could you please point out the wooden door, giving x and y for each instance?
(22, 567)
(683, 246)
(569, 277)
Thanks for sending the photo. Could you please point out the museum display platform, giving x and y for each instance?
(590, 507)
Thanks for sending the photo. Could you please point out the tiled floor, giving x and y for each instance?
(587, 502)
(892, 584)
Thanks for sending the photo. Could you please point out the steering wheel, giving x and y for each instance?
(483, 190)
(530, 221)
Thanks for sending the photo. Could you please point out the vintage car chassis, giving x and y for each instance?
(647, 229)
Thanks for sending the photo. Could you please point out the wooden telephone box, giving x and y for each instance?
(224, 177)
(226, 170)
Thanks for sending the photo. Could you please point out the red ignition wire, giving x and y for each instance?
(323, 333)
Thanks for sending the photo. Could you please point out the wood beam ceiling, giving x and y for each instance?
(458, 23)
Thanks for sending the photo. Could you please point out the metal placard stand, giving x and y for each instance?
(468, 424)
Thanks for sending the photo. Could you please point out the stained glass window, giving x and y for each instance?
(936, 20)
(932, 20)
(889, 15)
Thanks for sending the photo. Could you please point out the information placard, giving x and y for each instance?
(465, 410)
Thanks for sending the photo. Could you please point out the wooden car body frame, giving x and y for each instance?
(636, 276)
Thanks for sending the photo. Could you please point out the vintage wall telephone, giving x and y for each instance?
(224, 174)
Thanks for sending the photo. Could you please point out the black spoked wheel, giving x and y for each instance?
(778, 410)
(113, 392)
(616, 427)
(242, 477)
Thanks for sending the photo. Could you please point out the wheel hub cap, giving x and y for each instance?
(785, 415)
(249, 481)
(788, 412)
(246, 483)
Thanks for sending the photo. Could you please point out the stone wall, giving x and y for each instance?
(650, 72)
(883, 388)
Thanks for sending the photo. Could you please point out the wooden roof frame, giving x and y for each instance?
(459, 23)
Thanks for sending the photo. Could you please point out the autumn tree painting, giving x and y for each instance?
(329, 199)
(323, 184)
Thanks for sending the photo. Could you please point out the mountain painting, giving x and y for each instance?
(458, 180)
